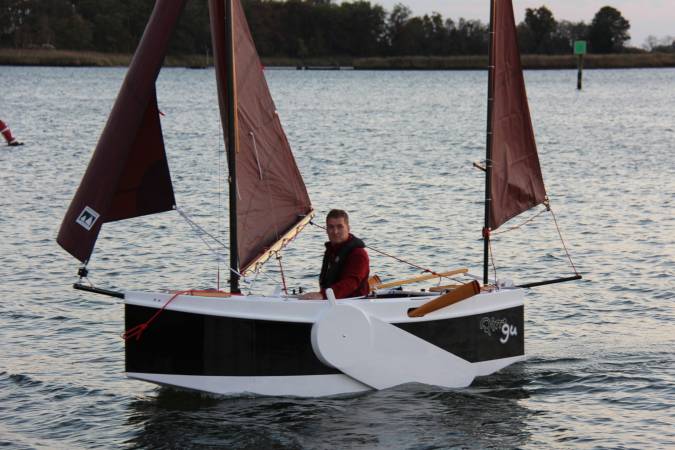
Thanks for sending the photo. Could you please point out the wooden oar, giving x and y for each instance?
(461, 293)
(417, 279)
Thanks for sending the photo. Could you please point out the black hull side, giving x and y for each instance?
(181, 343)
(475, 338)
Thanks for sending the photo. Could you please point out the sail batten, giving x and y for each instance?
(516, 183)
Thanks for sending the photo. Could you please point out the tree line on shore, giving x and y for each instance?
(300, 29)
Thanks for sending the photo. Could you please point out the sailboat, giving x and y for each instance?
(232, 343)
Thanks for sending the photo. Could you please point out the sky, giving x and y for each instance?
(646, 17)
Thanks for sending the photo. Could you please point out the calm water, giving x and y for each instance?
(395, 149)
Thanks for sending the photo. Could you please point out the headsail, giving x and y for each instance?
(128, 175)
(272, 200)
(516, 183)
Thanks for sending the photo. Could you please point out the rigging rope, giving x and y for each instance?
(555, 221)
(423, 269)
(522, 224)
(137, 331)
(200, 231)
(492, 259)
(221, 215)
(255, 278)
(563, 242)
(281, 269)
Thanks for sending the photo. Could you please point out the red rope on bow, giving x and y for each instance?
(138, 330)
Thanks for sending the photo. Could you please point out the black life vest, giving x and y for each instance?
(331, 268)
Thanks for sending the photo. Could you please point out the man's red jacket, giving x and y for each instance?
(353, 278)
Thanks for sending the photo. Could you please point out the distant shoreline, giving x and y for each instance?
(68, 58)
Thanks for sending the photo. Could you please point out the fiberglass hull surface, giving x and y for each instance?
(263, 345)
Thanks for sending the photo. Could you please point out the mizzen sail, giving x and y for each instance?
(272, 200)
(516, 183)
(128, 175)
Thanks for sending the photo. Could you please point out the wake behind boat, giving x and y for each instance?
(227, 342)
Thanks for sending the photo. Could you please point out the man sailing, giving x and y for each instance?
(346, 266)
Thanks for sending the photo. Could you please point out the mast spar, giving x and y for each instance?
(232, 147)
(488, 144)
(223, 45)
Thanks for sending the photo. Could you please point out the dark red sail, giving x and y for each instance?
(128, 175)
(516, 182)
(271, 195)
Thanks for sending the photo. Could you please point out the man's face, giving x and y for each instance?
(337, 230)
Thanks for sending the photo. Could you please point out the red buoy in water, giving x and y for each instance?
(7, 133)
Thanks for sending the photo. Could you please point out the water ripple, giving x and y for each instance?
(600, 367)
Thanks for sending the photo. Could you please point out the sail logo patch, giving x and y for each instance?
(489, 325)
(87, 218)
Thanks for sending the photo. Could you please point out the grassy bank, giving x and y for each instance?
(40, 57)
(616, 61)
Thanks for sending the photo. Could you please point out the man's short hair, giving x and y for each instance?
(337, 214)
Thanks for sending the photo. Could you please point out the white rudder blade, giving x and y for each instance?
(382, 355)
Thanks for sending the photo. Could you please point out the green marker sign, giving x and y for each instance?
(579, 51)
(579, 47)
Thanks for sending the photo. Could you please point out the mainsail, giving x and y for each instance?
(516, 183)
(272, 200)
(128, 175)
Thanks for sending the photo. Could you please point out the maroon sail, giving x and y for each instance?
(516, 181)
(128, 175)
(272, 200)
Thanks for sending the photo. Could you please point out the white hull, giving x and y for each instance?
(291, 386)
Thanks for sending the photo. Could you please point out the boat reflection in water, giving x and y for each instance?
(436, 417)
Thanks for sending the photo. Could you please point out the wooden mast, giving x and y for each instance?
(488, 144)
(233, 145)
